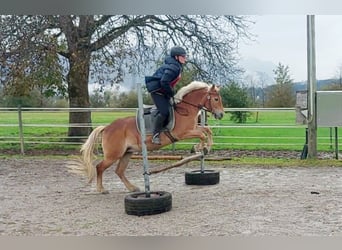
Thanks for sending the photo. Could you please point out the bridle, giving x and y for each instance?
(201, 106)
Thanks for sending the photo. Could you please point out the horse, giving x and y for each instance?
(121, 138)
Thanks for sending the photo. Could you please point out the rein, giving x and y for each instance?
(199, 106)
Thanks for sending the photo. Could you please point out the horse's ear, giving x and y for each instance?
(214, 87)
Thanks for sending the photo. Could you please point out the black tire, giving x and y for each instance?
(198, 177)
(139, 204)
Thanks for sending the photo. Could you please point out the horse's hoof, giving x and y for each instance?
(104, 192)
(135, 189)
(205, 151)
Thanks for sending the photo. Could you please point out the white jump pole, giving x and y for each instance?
(143, 141)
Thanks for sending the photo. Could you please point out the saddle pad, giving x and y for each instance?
(149, 117)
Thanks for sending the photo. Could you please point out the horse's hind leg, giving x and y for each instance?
(100, 168)
(120, 171)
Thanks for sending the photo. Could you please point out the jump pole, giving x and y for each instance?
(143, 141)
(203, 118)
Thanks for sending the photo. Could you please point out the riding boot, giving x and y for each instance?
(157, 127)
(156, 139)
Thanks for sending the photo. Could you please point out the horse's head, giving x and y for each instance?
(213, 102)
(209, 97)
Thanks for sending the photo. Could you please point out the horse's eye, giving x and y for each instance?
(216, 99)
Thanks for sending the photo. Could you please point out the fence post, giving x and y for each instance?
(336, 143)
(312, 85)
(21, 134)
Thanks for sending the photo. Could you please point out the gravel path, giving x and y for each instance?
(40, 197)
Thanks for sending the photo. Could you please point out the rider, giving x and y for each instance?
(161, 85)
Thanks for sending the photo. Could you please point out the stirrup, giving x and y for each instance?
(156, 139)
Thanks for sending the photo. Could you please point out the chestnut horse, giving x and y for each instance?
(121, 138)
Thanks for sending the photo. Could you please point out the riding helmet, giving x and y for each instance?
(177, 51)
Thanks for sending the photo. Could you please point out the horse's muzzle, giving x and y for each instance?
(218, 115)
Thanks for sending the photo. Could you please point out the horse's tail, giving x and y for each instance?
(84, 165)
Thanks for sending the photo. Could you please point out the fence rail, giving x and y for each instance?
(15, 129)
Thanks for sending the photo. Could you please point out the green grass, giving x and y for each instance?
(46, 130)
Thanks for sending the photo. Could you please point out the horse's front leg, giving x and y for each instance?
(209, 135)
(204, 146)
(198, 132)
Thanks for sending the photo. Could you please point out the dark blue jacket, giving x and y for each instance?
(163, 77)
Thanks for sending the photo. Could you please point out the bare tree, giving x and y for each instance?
(105, 47)
(337, 82)
(339, 76)
(251, 83)
(264, 80)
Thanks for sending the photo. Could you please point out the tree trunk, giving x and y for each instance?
(80, 122)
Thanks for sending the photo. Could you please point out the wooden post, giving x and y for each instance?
(178, 163)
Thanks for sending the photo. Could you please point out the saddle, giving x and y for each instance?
(150, 112)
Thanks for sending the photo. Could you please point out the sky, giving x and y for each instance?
(283, 38)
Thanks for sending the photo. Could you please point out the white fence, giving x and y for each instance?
(238, 141)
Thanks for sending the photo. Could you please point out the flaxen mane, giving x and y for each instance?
(188, 88)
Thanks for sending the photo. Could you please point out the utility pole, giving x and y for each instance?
(311, 63)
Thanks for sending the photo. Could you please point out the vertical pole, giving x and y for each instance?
(304, 154)
(143, 141)
(311, 64)
(21, 134)
(336, 143)
(203, 120)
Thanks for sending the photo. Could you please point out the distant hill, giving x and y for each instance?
(298, 86)
(320, 84)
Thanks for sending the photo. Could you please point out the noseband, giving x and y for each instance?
(204, 100)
